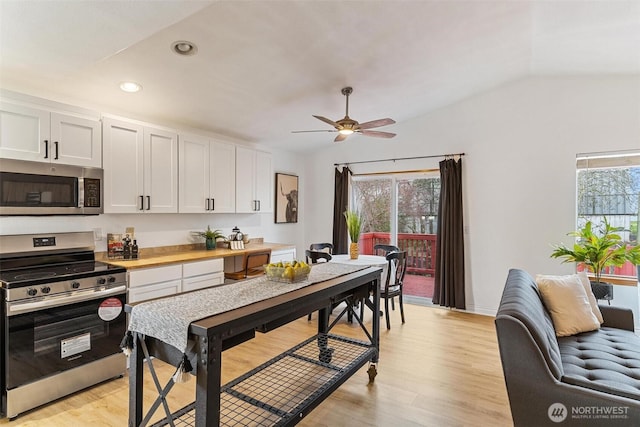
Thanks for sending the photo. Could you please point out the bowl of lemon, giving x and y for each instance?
(287, 272)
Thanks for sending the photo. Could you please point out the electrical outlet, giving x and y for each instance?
(97, 234)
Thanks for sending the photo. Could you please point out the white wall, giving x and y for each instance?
(520, 141)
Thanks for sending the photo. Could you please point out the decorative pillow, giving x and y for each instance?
(567, 301)
(592, 298)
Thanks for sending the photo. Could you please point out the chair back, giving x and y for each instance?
(325, 247)
(383, 250)
(395, 272)
(314, 256)
(257, 260)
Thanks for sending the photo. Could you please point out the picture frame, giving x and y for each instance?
(287, 194)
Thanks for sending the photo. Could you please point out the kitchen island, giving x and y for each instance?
(283, 390)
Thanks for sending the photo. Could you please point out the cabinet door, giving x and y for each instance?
(222, 170)
(24, 133)
(160, 171)
(76, 141)
(264, 182)
(123, 166)
(193, 174)
(245, 180)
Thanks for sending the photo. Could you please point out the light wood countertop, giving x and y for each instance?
(152, 257)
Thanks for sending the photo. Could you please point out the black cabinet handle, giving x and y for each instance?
(141, 203)
(206, 206)
(56, 145)
(213, 204)
(148, 203)
(258, 204)
(46, 148)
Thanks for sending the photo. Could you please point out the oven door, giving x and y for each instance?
(51, 340)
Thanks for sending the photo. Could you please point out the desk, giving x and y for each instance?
(328, 360)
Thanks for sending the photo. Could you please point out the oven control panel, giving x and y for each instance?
(65, 286)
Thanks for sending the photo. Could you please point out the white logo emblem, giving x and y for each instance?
(557, 412)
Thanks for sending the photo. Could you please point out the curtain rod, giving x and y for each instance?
(402, 158)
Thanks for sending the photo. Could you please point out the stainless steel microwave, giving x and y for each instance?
(34, 188)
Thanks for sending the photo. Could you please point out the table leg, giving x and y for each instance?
(208, 381)
(136, 361)
(376, 319)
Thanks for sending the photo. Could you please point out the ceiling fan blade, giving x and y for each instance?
(377, 133)
(376, 123)
(341, 137)
(328, 121)
(305, 131)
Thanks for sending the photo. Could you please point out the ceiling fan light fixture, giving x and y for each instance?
(345, 131)
(184, 48)
(130, 87)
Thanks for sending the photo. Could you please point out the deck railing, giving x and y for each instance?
(420, 248)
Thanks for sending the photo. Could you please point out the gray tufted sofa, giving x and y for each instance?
(589, 379)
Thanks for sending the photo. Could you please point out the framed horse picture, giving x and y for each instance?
(286, 198)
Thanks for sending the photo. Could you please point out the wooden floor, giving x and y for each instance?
(441, 368)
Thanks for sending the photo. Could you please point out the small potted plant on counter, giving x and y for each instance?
(598, 250)
(210, 237)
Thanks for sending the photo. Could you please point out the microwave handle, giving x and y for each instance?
(80, 192)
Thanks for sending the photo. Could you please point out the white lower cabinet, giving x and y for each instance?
(156, 282)
(283, 255)
(202, 274)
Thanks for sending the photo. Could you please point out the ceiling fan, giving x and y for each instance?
(348, 126)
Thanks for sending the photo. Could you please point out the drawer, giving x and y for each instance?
(199, 268)
(146, 276)
(156, 290)
(201, 282)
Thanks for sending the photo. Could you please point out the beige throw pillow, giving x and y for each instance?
(593, 302)
(567, 301)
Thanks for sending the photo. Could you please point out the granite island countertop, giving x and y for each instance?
(154, 257)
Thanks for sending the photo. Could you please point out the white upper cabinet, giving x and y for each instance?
(37, 134)
(254, 181)
(140, 168)
(206, 175)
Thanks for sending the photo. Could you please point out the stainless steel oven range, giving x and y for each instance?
(62, 318)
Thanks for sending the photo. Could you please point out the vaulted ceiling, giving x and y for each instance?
(264, 67)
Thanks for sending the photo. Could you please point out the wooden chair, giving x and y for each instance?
(383, 250)
(393, 284)
(324, 247)
(252, 265)
(313, 257)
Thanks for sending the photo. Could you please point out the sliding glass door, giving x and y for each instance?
(401, 210)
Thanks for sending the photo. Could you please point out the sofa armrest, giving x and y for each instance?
(617, 317)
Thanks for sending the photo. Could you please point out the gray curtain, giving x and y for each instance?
(449, 276)
(340, 205)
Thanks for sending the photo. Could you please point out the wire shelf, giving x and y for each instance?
(282, 390)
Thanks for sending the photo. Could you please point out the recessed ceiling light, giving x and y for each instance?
(130, 87)
(183, 47)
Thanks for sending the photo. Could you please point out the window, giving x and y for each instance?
(608, 185)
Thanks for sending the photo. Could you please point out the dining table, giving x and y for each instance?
(368, 261)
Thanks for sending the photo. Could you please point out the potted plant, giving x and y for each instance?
(354, 226)
(210, 237)
(598, 250)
